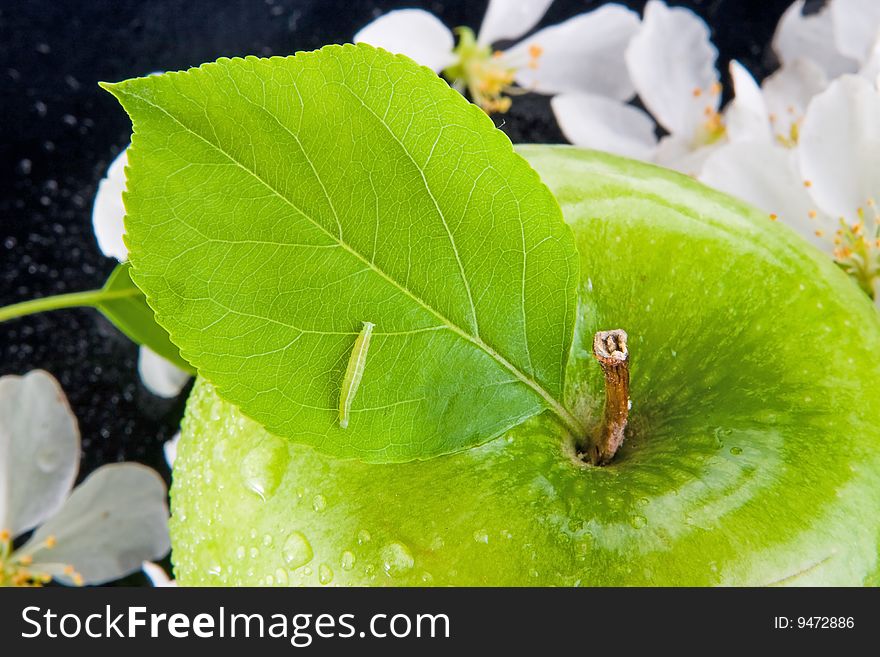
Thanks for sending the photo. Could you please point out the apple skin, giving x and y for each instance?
(752, 457)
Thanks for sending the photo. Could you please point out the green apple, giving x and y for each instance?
(752, 454)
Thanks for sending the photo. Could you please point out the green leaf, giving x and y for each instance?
(125, 305)
(275, 205)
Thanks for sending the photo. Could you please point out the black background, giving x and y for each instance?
(60, 131)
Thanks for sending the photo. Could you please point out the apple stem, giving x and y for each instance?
(609, 348)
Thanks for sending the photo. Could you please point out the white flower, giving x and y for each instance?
(583, 54)
(671, 62)
(100, 531)
(156, 574)
(826, 184)
(812, 36)
(774, 111)
(170, 449)
(160, 376)
(842, 37)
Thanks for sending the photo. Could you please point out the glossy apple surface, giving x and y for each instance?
(752, 457)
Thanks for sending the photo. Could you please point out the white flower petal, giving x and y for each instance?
(510, 19)
(839, 146)
(746, 116)
(856, 23)
(39, 450)
(160, 376)
(584, 53)
(788, 92)
(157, 575)
(678, 153)
(672, 63)
(810, 37)
(766, 176)
(108, 211)
(871, 68)
(415, 33)
(170, 449)
(605, 124)
(112, 522)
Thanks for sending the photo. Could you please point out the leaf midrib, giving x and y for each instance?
(571, 423)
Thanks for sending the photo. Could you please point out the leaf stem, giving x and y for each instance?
(89, 298)
(609, 348)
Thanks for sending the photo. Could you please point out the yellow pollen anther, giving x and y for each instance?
(715, 88)
(808, 183)
(77, 579)
(870, 203)
(812, 214)
(26, 560)
(774, 217)
(535, 51)
(51, 541)
(697, 92)
(69, 570)
(5, 535)
(820, 233)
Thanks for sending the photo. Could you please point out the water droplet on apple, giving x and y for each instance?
(638, 521)
(481, 536)
(254, 552)
(427, 578)
(396, 559)
(281, 577)
(348, 560)
(363, 537)
(736, 451)
(239, 552)
(262, 467)
(297, 550)
(270, 581)
(533, 573)
(267, 539)
(325, 573)
(319, 503)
